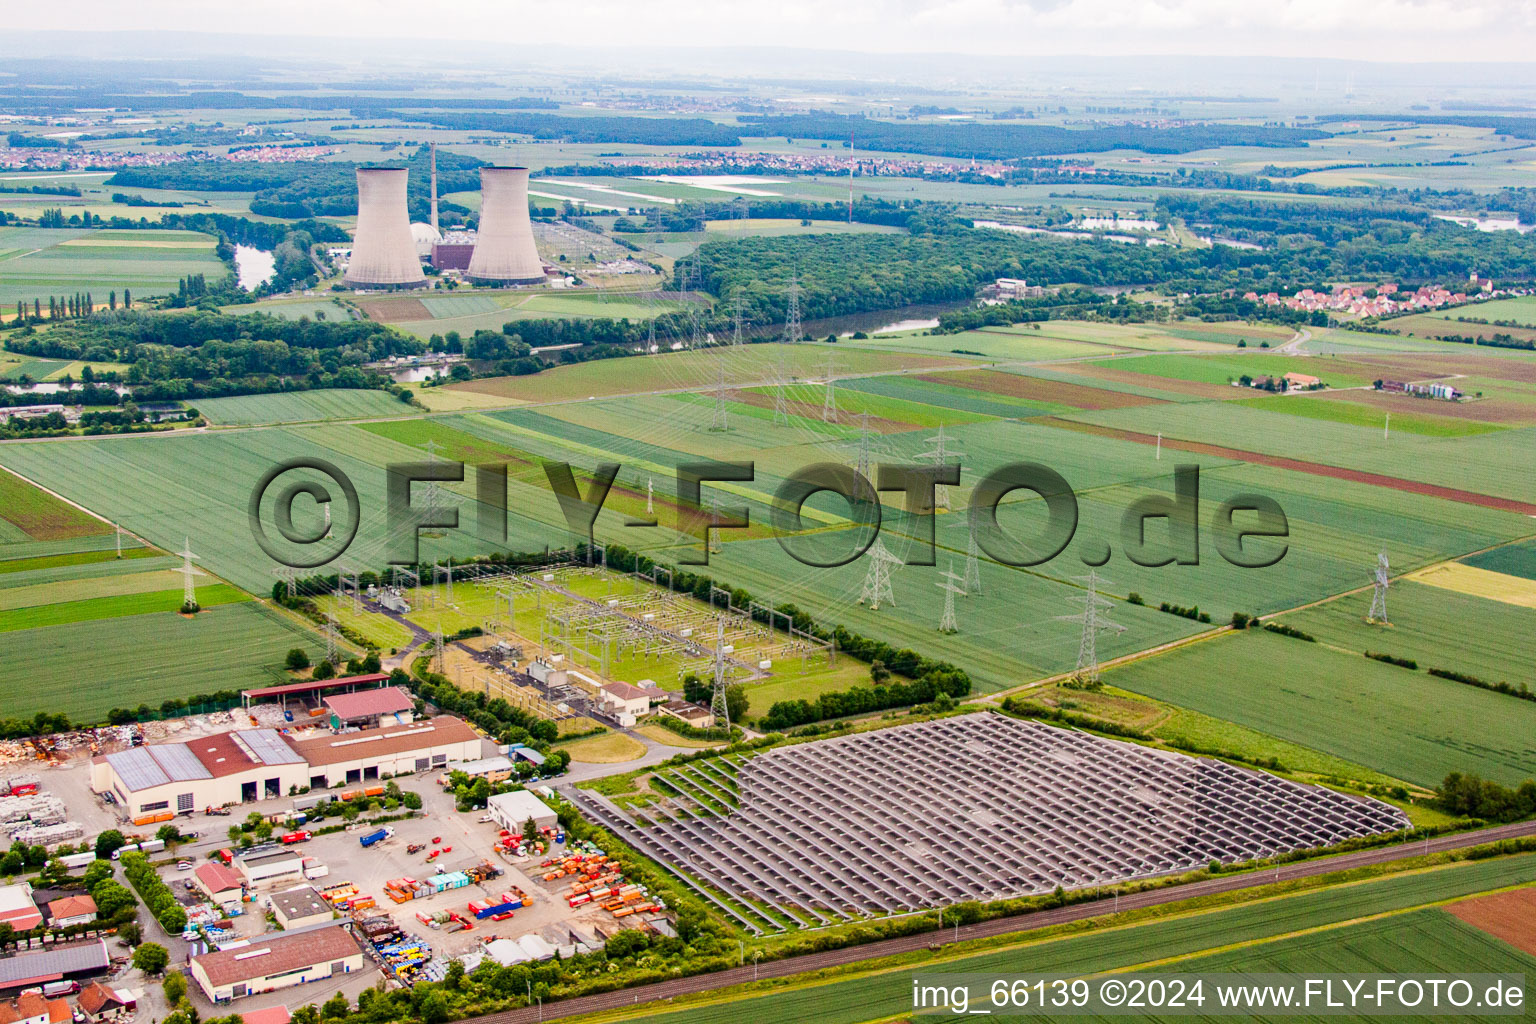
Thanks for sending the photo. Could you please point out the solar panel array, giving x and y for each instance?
(265, 746)
(143, 767)
(979, 806)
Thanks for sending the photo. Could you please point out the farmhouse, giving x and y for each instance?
(281, 961)
(262, 764)
(1302, 380)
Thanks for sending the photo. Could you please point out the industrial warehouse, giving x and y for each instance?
(991, 807)
(247, 765)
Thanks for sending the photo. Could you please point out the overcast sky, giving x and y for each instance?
(1454, 30)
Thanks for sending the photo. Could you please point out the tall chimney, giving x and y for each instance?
(383, 253)
(505, 252)
(434, 191)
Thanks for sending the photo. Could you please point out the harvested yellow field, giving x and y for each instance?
(1468, 579)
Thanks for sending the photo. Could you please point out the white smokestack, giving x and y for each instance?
(434, 189)
(383, 252)
(504, 249)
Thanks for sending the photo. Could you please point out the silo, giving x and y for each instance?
(383, 252)
(504, 248)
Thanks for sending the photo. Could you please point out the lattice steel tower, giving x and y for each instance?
(1382, 577)
(940, 452)
(1093, 620)
(793, 331)
(188, 589)
(717, 704)
(829, 404)
(877, 582)
(950, 585)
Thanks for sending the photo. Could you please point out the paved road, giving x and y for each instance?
(667, 990)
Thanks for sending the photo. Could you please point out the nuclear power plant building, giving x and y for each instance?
(504, 249)
(383, 249)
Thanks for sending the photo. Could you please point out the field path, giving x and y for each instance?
(1314, 468)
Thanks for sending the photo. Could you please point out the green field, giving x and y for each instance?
(301, 407)
(1436, 627)
(152, 657)
(1409, 725)
(115, 608)
(27, 513)
(293, 309)
(1220, 369)
(1501, 464)
(1512, 559)
(678, 371)
(888, 994)
(39, 262)
(1359, 412)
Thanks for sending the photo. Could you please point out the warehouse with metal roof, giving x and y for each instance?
(248, 765)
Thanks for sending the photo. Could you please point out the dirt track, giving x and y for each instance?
(1315, 468)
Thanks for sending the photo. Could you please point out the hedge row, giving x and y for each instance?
(156, 895)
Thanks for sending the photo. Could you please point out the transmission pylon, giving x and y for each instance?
(717, 705)
(716, 545)
(793, 331)
(188, 589)
(829, 404)
(650, 496)
(118, 527)
(865, 448)
(1094, 621)
(721, 420)
(290, 580)
(941, 452)
(780, 398)
(651, 345)
(1382, 577)
(430, 498)
(332, 646)
(439, 649)
(738, 336)
(950, 586)
(877, 582)
(972, 582)
(444, 571)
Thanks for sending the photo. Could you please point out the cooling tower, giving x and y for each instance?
(504, 249)
(383, 252)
